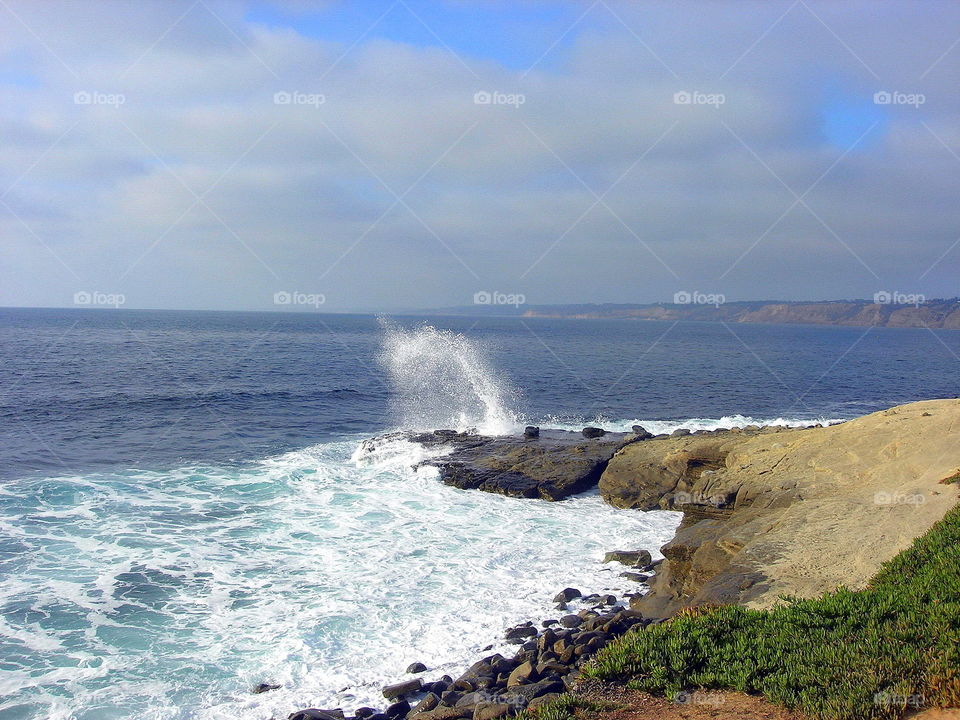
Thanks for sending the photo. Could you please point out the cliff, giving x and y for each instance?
(862, 313)
(795, 512)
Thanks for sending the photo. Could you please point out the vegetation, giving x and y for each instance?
(955, 478)
(563, 708)
(876, 653)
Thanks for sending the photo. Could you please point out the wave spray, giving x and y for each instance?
(443, 380)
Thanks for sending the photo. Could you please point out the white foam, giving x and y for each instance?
(177, 592)
(693, 424)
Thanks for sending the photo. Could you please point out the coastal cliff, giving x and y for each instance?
(789, 511)
(938, 313)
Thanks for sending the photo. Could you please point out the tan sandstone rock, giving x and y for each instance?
(795, 512)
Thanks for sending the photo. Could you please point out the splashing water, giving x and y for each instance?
(443, 380)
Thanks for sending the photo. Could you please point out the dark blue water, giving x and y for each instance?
(84, 389)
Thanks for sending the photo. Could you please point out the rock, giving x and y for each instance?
(398, 709)
(636, 577)
(641, 432)
(446, 713)
(364, 712)
(531, 431)
(542, 700)
(546, 640)
(265, 687)
(520, 632)
(633, 558)
(571, 621)
(524, 673)
(400, 689)
(593, 432)
(757, 504)
(451, 697)
(559, 464)
(491, 710)
(548, 623)
(470, 700)
(680, 432)
(416, 667)
(316, 714)
(431, 701)
(537, 689)
(567, 594)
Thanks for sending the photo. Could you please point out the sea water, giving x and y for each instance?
(184, 512)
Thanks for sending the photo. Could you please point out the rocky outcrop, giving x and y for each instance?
(551, 464)
(795, 512)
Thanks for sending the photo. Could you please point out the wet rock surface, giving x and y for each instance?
(546, 464)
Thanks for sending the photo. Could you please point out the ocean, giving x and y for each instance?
(184, 513)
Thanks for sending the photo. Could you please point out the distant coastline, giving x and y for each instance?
(936, 313)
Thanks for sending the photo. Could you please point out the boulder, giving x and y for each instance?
(524, 673)
(544, 687)
(398, 709)
(521, 632)
(416, 667)
(543, 699)
(633, 558)
(593, 432)
(567, 594)
(265, 687)
(641, 432)
(531, 431)
(316, 714)
(571, 621)
(364, 712)
(400, 689)
(446, 713)
(430, 702)
(491, 710)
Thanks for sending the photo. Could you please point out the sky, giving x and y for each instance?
(395, 155)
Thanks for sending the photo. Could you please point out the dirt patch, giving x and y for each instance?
(627, 704)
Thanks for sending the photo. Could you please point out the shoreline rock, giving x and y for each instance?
(547, 464)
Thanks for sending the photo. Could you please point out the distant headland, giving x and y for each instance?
(882, 311)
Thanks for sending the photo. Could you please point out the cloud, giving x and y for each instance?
(697, 144)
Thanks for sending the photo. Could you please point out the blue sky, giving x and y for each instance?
(514, 35)
(408, 155)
